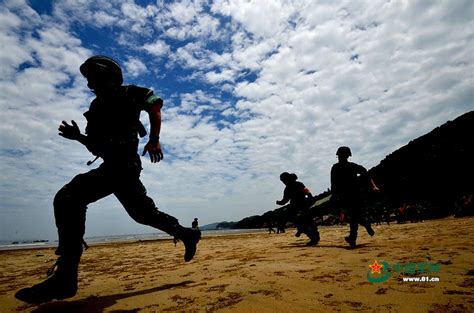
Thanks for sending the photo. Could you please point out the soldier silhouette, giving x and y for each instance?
(298, 212)
(112, 131)
(195, 223)
(347, 178)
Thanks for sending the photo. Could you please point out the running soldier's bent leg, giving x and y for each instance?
(354, 227)
(368, 228)
(305, 224)
(132, 195)
(70, 204)
(354, 219)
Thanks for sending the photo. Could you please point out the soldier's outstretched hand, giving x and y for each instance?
(154, 150)
(69, 131)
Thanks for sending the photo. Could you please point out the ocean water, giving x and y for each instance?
(31, 244)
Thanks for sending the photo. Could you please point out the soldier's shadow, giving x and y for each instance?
(97, 304)
(345, 247)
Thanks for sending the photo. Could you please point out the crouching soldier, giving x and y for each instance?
(112, 131)
(299, 197)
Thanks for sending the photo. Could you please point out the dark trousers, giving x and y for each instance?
(304, 222)
(352, 208)
(355, 218)
(354, 221)
(70, 204)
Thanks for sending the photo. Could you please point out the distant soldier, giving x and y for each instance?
(269, 221)
(195, 224)
(347, 179)
(300, 200)
(112, 132)
(270, 228)
(280, 225)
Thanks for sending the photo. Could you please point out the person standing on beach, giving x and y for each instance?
(299, 197)
(112, 131)
(195, 223)
(347, 179)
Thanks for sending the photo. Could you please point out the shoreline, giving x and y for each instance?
(12, 245)
(115, 239)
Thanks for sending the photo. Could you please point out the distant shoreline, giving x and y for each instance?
(119, 239)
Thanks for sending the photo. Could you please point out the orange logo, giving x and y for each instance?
(376, 268)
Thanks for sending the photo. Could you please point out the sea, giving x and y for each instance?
(41, 243)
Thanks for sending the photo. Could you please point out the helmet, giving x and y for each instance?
(103, 66)
(284, 176)
(344, 151)
(287, 177)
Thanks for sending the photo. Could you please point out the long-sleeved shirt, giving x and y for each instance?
(345, 179)
(296, 193)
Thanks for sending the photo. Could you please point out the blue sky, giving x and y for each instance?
(251, 89)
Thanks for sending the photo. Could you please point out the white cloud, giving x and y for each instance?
(217, 77)
(103, 19)
(260, 18)
(135, 67)
(136, 17)
(158, 48)
(192, 55)
(184, 12)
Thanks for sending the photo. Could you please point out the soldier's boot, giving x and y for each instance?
(298, 232)
(352, 238)
(351, 241)
(190, 237)
(313, 235)
(370, 230)
(61, 284)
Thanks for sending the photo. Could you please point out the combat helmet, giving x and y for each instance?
(104, 66)
(344, 151)
(287, 177)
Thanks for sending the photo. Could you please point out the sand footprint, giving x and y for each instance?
(218, 288)
(266, 292)
(231, 299)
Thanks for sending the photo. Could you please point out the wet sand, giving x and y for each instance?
(263, 273)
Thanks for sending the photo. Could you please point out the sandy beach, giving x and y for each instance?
(260, 272)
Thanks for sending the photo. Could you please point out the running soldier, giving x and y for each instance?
(298, 212)
(347, 179)
(112, 131)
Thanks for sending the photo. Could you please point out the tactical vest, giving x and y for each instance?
(113, 123)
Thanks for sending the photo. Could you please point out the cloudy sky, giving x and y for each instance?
(251, 89)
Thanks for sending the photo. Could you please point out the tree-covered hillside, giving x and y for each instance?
(434, 172)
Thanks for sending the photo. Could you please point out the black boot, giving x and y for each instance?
(313, 235)
(190, 237)
(60, 285)
(350, 241)
(369, 229)
(312, 242)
